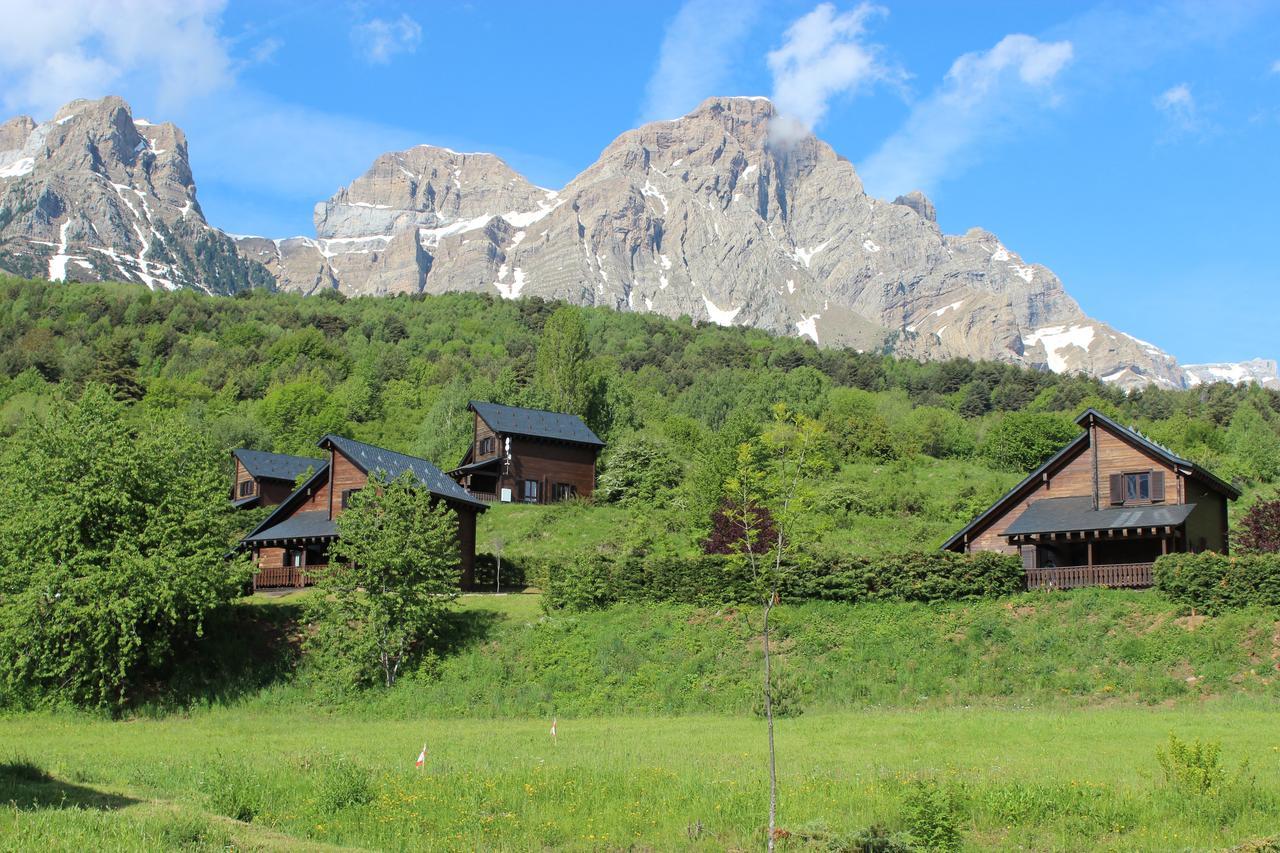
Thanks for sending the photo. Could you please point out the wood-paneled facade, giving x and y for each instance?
(1110, 498)
(259, 478)
(528, 456)
(291, 546)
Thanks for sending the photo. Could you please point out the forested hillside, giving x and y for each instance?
(915, 448)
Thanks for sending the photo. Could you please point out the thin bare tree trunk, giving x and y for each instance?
(768, 715)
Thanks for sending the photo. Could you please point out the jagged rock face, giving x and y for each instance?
(1263, 371)
(704, 216)
(94, 194)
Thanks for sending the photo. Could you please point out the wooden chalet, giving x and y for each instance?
(293, 541)
(1102, 509)
(265, 479)
(528, 455)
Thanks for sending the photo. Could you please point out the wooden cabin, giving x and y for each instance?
(292, 542)
(265, 479)
(1102, 509)
(528, 455)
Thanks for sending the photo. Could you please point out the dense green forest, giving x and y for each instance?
(915, 448)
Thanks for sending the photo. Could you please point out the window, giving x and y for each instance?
(529, 491)
(486, 445)
(247, 488)
(1137, 487)
(295, 557)
(563, 491)
(347, 494)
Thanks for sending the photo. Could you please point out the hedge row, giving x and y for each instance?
(1213, 583)
(714, 580)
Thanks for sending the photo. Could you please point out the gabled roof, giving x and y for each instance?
(1161, 452)
(1076, 444)
(1075, 514)
(1132, 436)
(388, 463)
(314, 524)
(275, 466)
(535, 423)
(286, 506)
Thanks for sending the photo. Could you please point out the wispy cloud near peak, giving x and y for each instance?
(380, 39)
(984, 92)
(697, 54)
(824, 54)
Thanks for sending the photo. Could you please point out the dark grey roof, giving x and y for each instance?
(1074, 445)
(491, 462)
(535, 423)
(391, 465)
(244, 502)
(1069, 515)
(302, 525)
(286, 506)
(275, 466)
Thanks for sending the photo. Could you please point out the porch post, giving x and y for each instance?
(1090, 552)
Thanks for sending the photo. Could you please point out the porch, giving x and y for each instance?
(1120, 575)
(1065, 543)
(286, 577)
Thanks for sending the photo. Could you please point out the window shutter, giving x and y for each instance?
(1157, 487)
(1117, 489)
(1029, 557)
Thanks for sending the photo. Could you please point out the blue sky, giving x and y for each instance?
(1132, 148)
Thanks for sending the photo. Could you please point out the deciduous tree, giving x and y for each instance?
(393, 573)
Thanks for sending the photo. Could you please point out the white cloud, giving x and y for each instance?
(1275, 67)
(52, 52)
(381, 39)
(824, 54)
(697, 53)
(1179, 106)
(985, 93)
(265, 50)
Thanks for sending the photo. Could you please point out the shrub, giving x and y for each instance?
(1192, 768)
(1259, 529)
(715, 579)
(1215, 583)
(933, 816)
(233, 790)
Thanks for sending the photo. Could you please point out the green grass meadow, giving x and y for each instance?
(1053, 780)
(1029, 723)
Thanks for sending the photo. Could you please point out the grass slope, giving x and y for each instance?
(506, 658)
(1064, 780)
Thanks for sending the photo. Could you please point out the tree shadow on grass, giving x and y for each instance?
(26, 786)
(463, 629)
(245, 648)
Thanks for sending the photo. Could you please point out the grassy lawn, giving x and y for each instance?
(1064, 780)
(1027, 723)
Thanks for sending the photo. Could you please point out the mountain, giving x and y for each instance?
(96, 194)
(707, 216)
(710, 216)
(1260, 370)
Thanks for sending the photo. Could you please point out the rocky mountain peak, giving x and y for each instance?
(95, 194)
(920, 203)
(725, 215)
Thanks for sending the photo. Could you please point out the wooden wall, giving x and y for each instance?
(1073, 477)
(270, 492)
(549, 463)
(343, 475)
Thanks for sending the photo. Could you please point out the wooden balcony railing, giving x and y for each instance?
(1129, 575)
(285, 577)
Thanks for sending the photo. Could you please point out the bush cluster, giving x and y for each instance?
(1214, 583)
(714, 579)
